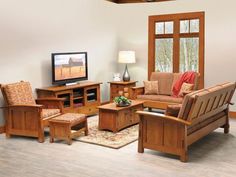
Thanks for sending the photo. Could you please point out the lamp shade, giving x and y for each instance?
(126, 57)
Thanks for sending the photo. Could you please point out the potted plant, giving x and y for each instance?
(122, 101)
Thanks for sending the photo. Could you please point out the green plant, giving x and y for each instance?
(122, 100)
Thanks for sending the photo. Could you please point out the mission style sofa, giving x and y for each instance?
(201, 112)
(164, 97)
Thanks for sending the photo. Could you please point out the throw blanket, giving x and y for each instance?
(187, 77)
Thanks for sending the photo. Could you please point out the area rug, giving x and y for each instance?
(107, 138)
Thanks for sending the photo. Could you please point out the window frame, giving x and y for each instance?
(176, 18)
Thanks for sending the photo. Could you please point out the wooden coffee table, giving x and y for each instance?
(116, 118)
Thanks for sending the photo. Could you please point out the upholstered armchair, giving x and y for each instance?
(25, 116)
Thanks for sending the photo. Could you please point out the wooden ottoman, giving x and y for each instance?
(68, 126)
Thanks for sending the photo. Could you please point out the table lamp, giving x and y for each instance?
(126, 57)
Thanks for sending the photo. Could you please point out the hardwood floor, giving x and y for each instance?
(214, 155)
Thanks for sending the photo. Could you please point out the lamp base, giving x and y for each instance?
(126, 76)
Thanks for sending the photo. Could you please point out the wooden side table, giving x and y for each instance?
(121, 88)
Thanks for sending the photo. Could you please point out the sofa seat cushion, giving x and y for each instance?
(50, 112)
(162, 98)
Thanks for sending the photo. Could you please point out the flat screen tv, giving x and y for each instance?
(69, 67)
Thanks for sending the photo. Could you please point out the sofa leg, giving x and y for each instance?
(140, 146)
(41, 139)
(8, 135)
(226, 128)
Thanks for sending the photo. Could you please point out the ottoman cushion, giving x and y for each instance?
(71, 118)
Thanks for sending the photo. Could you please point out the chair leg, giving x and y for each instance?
(86, 127)
(41, 135)
(184, 157)
(69, 138)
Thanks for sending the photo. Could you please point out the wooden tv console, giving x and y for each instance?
(80, 98)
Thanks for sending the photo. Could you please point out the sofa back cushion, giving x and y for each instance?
(165, 81)
(19, 93)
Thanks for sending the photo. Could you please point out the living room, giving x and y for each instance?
(32, 30)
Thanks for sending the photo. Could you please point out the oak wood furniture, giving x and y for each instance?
(80, 98)
(116, 118)
(177, 35)
(202, 112)
(118, 88)
(2, 129)
(164, 97)
(68, 126)
(23, 115)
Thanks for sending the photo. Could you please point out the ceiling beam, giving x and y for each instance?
(135, 1)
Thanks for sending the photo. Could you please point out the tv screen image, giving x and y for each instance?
(69, 67)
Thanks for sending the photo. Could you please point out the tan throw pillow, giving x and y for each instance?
(150, 87)
(185, 88)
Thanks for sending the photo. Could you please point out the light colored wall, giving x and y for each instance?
(30, 30)
(220, 38)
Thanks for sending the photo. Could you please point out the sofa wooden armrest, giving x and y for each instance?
(163, 116)
(163, 133)
(137, 91)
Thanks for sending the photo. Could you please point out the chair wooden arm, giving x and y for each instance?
(163, 116)
(50, 99)
(51, 103)
(26, 106)
(136, 91)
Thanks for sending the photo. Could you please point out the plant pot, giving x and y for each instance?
(122, 104)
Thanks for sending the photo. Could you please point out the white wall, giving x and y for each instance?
(220, 38)
(30, 30)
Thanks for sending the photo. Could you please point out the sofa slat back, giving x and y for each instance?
(209, 102)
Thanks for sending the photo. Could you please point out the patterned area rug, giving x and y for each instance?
(109, 139)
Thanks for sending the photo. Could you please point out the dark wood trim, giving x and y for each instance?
(2, 129)
(136, 1)
(176, 40)
(232, 114)
(151, 44)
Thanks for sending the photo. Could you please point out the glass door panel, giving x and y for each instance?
(164, 55)
(189, 54)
